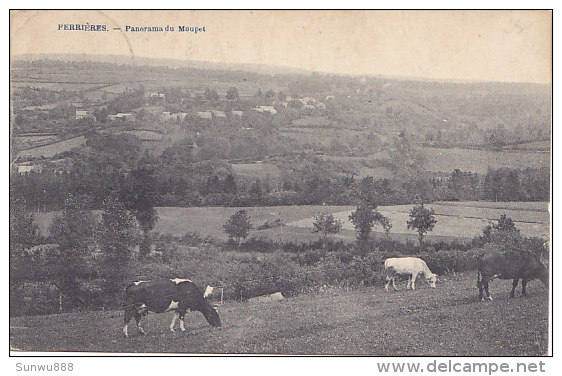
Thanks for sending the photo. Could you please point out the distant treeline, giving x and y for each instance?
(216, 185)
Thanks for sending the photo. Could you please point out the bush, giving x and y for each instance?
(443, 262)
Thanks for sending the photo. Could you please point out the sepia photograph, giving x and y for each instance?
(280, 182)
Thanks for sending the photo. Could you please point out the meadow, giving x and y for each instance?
(447, 321)
(456, 220)
(446, 160)
(54, 148)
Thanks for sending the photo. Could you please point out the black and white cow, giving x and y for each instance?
(165, 295)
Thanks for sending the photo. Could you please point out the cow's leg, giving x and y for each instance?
(409, 284)
(173, 323)
(394, 283)
(388, 280)
(127, 316)
(480, 289)
(182, 326)
(414, 276)
(486, 281)
(523, 287)
(514, 285)
(138, 317)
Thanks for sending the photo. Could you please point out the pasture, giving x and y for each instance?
(456, 220)
(54, 148)
(446, 160)
(445, 321)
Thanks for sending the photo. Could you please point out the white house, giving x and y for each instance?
(205, 115)
(28, 169)
(81, 114)
(263, 109)
(121, 115)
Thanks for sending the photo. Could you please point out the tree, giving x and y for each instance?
(384, 222)
(238, 227)
(138, 193)
(72, 230)
(232, 94)
(117, 234)
(23, 234)
(422, 220)
(211, 95)
(23, 229)
(405, 157)
(504, 234)
(326, 224)
(229, 185)
(256, 191)
(363, 218)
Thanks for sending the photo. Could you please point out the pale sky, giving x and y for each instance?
(511, 46)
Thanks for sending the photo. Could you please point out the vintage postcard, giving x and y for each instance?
(281, 182)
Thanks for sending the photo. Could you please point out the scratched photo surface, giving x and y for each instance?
(280, 182)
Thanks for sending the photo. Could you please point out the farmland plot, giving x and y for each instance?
(55, 148)
(458, 220)
(446, 160)
(455, 220)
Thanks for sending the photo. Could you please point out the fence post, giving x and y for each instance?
(60, 302)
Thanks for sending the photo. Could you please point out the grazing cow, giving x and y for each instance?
(164, 295)
(509, 265)
(407, 265)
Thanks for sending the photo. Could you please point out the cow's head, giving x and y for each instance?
(543, 274)
(431, 279)
(211, 314)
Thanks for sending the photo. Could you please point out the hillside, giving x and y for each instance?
(447, 321)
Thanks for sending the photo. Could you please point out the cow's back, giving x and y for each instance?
(509, 264)
(156, 294)
(402, 265)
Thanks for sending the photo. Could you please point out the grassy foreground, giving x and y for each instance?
(445, 321)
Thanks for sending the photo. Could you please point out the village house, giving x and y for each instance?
(219, 114)
(263, 109)
(157, 95)
(205, 115)
(84, 114)
(238, 114)
(167, 115)
(28, 169)
(126, 116)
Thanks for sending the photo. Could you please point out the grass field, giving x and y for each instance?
(447, 320)
(446, 160)
(456, 220)
(55, 148)
(256, 170)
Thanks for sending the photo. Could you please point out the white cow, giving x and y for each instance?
(407, 265)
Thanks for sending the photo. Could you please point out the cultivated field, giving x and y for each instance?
(55, 148)
(446, 321)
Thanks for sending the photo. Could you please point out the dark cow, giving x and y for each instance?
(164, 295)
(509, 265)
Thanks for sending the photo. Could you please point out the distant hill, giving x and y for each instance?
(172, 63)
